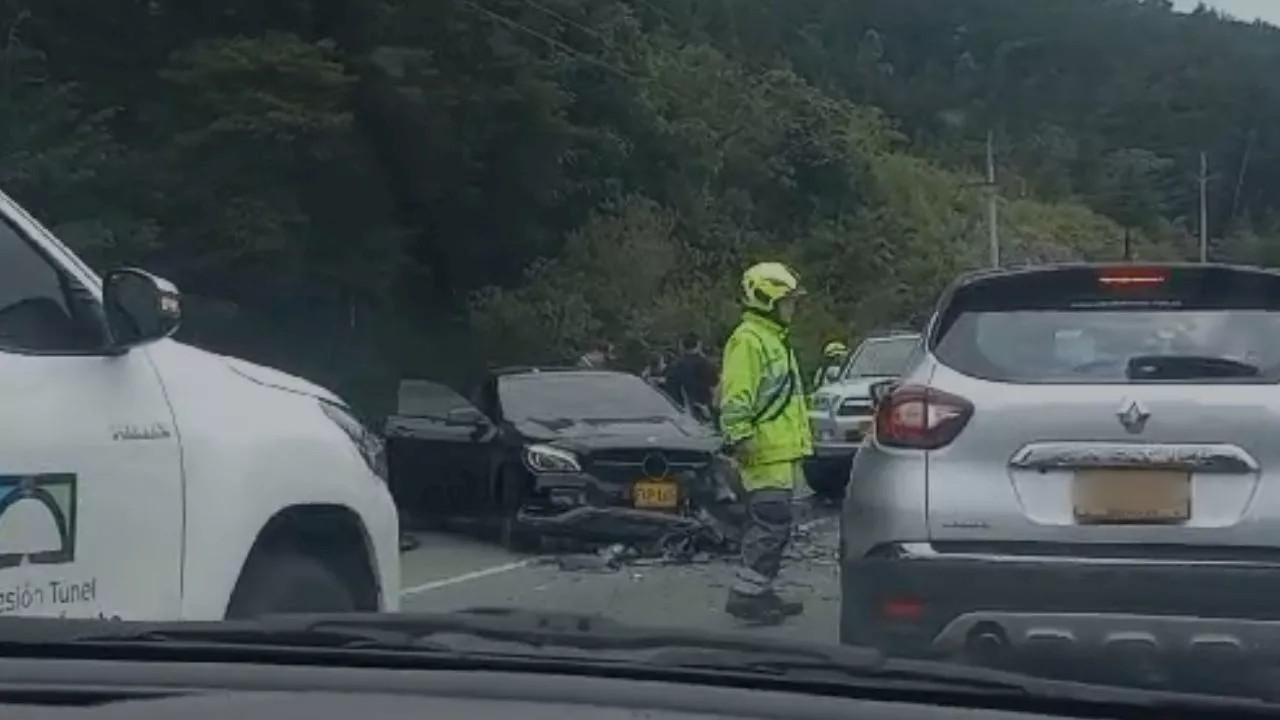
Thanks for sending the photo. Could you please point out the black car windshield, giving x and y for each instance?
(878, 358)
(581, 396)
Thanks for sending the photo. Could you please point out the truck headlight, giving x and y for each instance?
(548, 459)
(370, 446)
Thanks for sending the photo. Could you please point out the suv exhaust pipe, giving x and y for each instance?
(985, 644)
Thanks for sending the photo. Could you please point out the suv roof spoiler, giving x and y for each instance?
(985, 273)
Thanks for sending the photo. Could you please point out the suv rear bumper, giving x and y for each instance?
(1065, 612)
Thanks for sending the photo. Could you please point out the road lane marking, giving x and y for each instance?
(465, 577)
(508, 567)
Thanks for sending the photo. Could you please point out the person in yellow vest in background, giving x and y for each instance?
(834, 354)
(765, 426)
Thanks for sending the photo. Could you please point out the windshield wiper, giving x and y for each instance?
(494, 635)
(1187, 367)
(472, 629)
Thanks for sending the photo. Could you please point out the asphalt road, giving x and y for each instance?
(453, 572)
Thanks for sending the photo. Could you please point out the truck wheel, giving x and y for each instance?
(513, 536)
(288, 582)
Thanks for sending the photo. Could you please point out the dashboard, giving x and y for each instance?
(68, 689)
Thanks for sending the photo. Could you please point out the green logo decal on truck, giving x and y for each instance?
(37, 519)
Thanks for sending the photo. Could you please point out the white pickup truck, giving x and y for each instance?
(144, 479)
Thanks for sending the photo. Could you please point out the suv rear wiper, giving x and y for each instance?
(488, 634)
(1187, 367)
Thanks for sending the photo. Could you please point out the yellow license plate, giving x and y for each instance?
(656, 494)
(1132, 497)
(864, 426)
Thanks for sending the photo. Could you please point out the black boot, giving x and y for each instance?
(763, 609)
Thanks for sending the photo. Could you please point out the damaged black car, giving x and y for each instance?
(593, 455)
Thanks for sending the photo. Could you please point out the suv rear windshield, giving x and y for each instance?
(1115, 324)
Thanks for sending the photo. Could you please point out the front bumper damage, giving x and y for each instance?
(608, 524)
(585, 508)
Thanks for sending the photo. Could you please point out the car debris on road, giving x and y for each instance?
(706, 544)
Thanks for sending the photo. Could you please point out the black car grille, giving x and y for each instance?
(622, 466)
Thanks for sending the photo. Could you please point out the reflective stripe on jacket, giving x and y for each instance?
(762, 394)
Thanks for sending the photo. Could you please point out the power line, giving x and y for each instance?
(565, 18)
(508, 22)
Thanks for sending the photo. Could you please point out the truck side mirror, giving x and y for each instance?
(139, 307)
(880, 390)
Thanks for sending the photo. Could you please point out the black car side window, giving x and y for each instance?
(42, 310)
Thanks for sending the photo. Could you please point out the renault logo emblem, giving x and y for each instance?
(1133, 416)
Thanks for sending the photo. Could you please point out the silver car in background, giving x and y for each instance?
(840, 413)
(1082, 462)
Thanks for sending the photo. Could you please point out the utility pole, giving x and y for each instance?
(1204, 205)
(992, 228)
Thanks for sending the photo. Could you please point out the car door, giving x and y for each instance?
(434, 443)
(91, 488)
(489, 450)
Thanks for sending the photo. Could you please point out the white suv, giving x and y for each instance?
(841, 411)
(144, 479)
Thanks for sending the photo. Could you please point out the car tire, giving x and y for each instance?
(828, 481)
(512, 534)
(288, 582)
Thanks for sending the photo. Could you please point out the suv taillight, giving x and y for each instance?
(921, 418)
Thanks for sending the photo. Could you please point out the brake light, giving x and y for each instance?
(919, 417)
(1130, 277)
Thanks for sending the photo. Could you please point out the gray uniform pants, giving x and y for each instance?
(764, 540)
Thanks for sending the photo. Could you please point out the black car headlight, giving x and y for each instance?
(549, 459)
(370, 446)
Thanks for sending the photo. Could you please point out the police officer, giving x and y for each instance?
(765, 426)
(834, 354)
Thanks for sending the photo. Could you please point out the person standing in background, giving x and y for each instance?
(597, 357)
(834, 355)
(655, 372)
(691, 378)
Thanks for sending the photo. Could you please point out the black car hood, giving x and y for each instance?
(585, 436)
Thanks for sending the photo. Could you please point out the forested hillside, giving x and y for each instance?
(355, 189)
